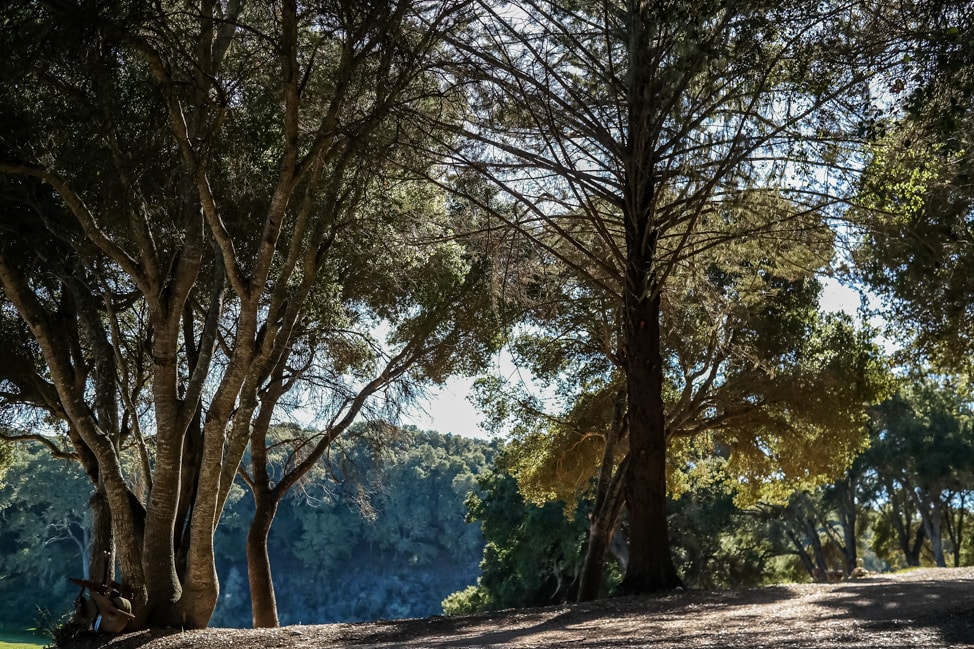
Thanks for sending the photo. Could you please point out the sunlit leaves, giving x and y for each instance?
(916, 200)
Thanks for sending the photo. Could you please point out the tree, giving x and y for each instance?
(922, 451)
(377, 532)
(188, 174)
(718, 545)
(45, 534)
(753, 373)
(533, 552)
(633, 136)
(446, 327)
(915, 204)
(6, 458)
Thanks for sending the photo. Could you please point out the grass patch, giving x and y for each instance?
(20, 640)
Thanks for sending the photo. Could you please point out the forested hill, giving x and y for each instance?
(378, 533)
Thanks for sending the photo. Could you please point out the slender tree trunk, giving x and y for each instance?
(608, 504)
(851, 550)
(802, 554)
(959, 531)
(901, 516)
(601, 530)
(912, 552)
(818, 552)
(849, 515)
(953, 521)
(590, 580)
(262, 598)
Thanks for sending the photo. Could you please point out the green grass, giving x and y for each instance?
(20, 640)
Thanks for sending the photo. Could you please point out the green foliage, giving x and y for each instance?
(43, 534)
(916, 196)
(380, 534)
(6, 459)
(258, 174)
(715, 544)
(533, 552)
(923, 458)
(750, 365)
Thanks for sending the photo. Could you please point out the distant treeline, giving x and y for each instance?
(379, 533)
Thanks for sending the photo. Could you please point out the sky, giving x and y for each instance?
(448, 410)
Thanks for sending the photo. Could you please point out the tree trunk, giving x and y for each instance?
(608, 504)
(931, 517)
(102, 545)
(802, 554)
(936, 540)
(901, 516)
(848, 515)
(601, 532)
(959, 533)
(850, 549)
(650, 564)
(262, 598)
(953, 522)
(912, 552)
(818, 552)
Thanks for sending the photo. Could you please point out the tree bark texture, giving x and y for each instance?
(263, 600)
(650, 562)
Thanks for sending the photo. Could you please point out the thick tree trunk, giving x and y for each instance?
(262, 598)
(650, 563)
(102, 546)
(936, 540)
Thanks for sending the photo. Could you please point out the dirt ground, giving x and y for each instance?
(923, 608)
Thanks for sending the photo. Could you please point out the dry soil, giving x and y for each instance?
(922, 608)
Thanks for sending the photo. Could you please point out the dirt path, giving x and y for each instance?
(924, 608)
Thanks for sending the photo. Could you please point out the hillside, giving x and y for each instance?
(923, 608)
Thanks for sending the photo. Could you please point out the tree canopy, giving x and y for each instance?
(916, 196)
(219, 219)
(634, 138)
(225, 210)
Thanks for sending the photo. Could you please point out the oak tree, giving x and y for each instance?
(194, 176)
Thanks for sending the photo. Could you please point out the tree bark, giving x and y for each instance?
(818, 552)
(650, 563)
(802, 554)
(931, 516)
(263, 600)
(600, 535)
(102, 539)
(608, 504)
